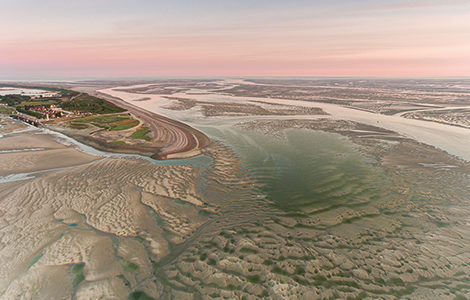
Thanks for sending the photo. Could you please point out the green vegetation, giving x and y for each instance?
(125, 124)
(253, 278)
(129, 266)
(31, 113)
(397, 281)
(77, 270)
(228, 249)
(141, 134)
(441, 224)
(299, 271)
(68, 100)
(118, 143)
(39, 102)
(190, 259)
(108, 122)
(139, 295)
(380, 281)
(76, 125)
(78, 279)
(202, 212)
(103, 120)
(26, 101)
(124, 279)
(139, 239)
(301, 280)
(403, 292)
(248, 250)
(278, 270)
(267, 262)
(14, 100)
(157, 218)
(87, 103)
(6, 110)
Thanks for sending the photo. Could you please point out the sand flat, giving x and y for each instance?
(29, 140)
(32, 161)
(32, 151)
(285, 207)
(452, 139)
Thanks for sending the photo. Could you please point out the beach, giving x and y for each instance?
(284, 202)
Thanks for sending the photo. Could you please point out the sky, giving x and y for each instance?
(60, 39)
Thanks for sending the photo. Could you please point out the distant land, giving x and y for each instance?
(100, 122)
(235, 188)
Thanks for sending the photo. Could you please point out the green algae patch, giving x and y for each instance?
(77, 270)
(129, 266)
(139, 295)
(310, 172)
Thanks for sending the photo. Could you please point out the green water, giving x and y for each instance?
(308, 171)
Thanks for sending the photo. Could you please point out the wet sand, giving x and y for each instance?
(33, 151)
(81, 218)
(285, 207)
(182, 140)
(455, 140)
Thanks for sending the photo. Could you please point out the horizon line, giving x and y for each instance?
(111, 78)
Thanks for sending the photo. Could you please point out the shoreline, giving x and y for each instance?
(170, 139)
(70, 144)
(452, 139)
(186, 141)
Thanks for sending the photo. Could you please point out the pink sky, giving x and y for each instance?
(416, 38)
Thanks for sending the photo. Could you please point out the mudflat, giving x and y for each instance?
(32, 151)
(291, 199)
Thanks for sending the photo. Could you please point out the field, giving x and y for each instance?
(39, 102)
(107, 122)
(120, 132)
(22, 101)
(141, 134)
(87, 103)
(68, 100)
(5, 110)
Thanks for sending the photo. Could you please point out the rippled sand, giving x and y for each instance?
(397, 230)
(83, 214)
(324, 207)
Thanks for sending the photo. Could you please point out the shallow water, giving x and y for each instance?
(306, 170)
(455, 140)
(197, 161)
(297, 211)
